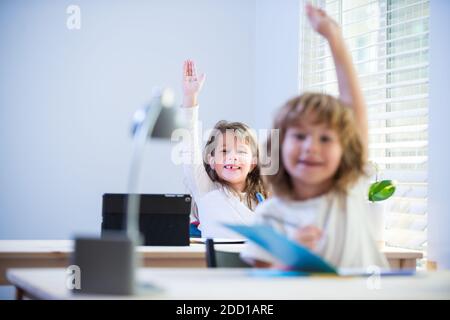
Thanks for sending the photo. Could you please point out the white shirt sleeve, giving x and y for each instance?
(196, 178)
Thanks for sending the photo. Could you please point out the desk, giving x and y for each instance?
(56, 254)
(241, 284)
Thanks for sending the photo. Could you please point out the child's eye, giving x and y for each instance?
(325, 139)
(300, 136)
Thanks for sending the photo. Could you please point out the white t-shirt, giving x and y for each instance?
(347, 240)
(216, 205)
(220, 206)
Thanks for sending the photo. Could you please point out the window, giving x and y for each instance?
(389, 42)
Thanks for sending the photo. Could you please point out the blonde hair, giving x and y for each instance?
(327, 110)
(254, 183)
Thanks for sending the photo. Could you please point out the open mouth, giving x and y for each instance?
(231, 167)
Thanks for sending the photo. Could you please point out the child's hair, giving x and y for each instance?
(327, 110)
(254, 182)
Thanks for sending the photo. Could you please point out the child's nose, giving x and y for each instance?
(232, 155)
(310, 144)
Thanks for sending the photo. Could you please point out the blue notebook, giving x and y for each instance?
(299, 260)
(290, 253)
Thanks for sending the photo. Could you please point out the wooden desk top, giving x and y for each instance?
(243, 284)
(63, 248)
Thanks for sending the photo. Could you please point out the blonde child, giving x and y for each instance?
(225, 179)
(321, 185)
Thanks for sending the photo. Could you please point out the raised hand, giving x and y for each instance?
(192, 84)
(321, 22)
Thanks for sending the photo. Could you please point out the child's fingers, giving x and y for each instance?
(308, 237)
(194, 72)
(308, 7)
(311, 230)
(190, 71)
(186, 68)
(185, 71)
(314, 12)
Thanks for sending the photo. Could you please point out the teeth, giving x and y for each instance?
(231, 167)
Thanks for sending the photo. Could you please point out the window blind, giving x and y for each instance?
(389, 43)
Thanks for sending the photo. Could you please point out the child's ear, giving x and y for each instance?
(211, 161)
(254, 162)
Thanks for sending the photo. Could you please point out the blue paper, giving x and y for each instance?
(288, 252)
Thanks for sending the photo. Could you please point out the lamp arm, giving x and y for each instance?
(139, 140)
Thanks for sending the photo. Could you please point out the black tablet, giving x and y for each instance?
(163, 218)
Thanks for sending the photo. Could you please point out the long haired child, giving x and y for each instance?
(225, 178)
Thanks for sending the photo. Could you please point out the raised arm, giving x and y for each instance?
(350, 92)
(195, 174)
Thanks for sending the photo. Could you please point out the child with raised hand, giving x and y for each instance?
(320, 189)
(225, 179)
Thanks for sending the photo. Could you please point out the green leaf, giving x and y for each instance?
(381, 190)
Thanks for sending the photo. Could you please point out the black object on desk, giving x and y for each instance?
(222, 259)
(163, 218)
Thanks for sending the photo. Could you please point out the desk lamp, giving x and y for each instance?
(108, 265)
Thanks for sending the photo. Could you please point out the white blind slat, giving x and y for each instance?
(416, 206)
(375, 44)
(405, 175)
(383, 13)
(399, 99)
(367, 4)
(400, 129)
(405, 160)
(374, 74)
(363, 34)
(399, 145)
(398, 114)
(380, 58)
(406, 221)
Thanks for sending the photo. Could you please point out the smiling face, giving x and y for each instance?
(319, 145)
(311, 154)
(232, 160)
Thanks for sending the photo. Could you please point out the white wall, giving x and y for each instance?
(277, 56)
(439, 133)
(66, 99)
